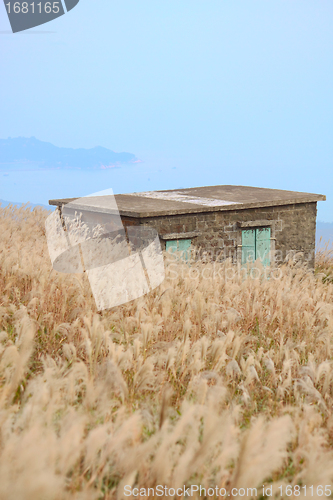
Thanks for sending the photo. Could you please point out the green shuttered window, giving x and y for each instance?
(256, 244)
(181, 246)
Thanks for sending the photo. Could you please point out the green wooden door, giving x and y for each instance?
(171, 246)
(248, 245)
(256, 244)
(263, 245)
(181, 246)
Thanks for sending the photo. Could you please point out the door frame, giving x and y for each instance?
(255, 224)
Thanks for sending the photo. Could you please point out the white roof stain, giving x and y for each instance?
(177, 196)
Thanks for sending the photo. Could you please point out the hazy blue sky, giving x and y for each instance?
(203, 91)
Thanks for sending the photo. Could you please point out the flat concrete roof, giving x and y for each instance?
(202, 199)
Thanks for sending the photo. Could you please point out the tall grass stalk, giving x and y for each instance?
(211, 381)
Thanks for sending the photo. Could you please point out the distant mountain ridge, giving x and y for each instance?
(47, 155)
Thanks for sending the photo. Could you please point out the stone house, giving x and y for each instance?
(241, 222)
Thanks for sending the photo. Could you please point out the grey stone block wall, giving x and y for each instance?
(218, 234)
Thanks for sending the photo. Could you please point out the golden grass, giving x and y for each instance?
(210, 381)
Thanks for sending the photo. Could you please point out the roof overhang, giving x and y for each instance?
(200, 200)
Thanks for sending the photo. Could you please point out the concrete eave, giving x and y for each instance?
(199, 208)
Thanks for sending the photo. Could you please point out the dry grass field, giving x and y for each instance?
(210, 380)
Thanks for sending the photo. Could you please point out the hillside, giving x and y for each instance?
(211, 380)
(22, 150)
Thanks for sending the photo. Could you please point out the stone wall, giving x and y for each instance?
(218, 234)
